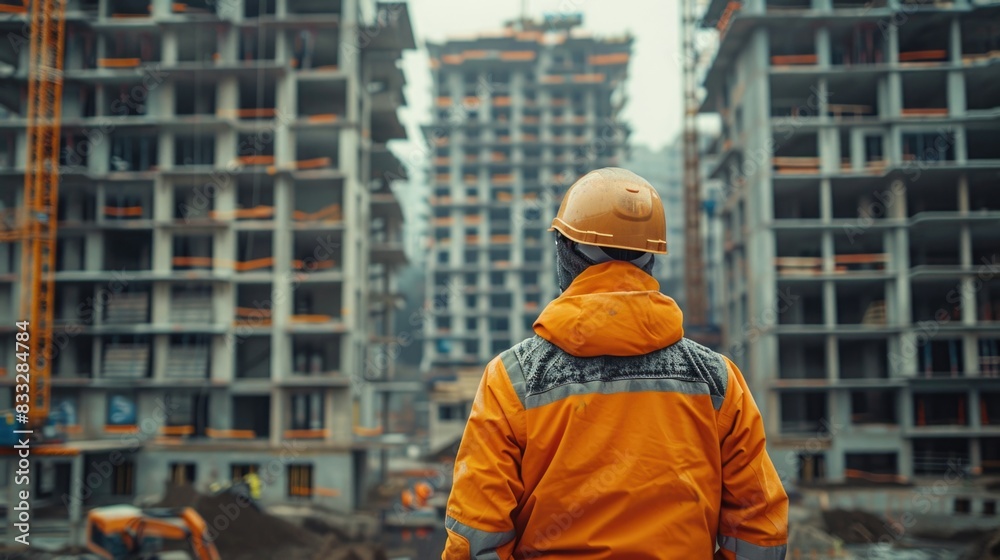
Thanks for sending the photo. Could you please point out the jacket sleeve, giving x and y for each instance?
(487, 485)
(753, 520)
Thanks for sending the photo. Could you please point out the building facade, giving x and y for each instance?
(859, 158)
(227, 240)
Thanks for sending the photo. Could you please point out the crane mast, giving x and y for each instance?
(37, 220)
(696, 308)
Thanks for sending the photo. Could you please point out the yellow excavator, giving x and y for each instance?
(129, 533)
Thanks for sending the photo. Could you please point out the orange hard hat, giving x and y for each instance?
(613, 207)
(423, 490)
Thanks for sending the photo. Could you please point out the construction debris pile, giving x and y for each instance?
(241, 531)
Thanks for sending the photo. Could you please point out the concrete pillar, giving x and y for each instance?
(76, 499)
(169, 51)
(823, 47)
(278, 417)
(963, 193)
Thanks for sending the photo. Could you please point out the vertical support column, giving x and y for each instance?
(277, 412)
(75, 499)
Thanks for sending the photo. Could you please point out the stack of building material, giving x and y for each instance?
(129, 307)
(187, 361)
(875, 314)
(126, 360)
(191, 309)
(463, 388)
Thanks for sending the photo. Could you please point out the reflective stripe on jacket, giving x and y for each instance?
(609, 435)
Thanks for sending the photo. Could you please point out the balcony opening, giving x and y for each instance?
(126, 356)
(124, 9)
(318, 201)
(192, 252)
(189, 356)
(873, 407)
(935, 247)
(194, 150)
(860, 44)
(924, 94)
(75, 359)
(982, 144)
(940, 409)
(989, 357)
(797, 154)
(941, 358)
(129, 50)
(931, 198)
(989, 408)
(929, 147)
(982, 195)
(258, 8)
(800, 305)
(128, 252)
(937, 301)
(253, 357)
(8, 151)
(191, 303)
(187, 413)
(776, 6)
(804, 412)
(130, 152)
(798, 253)
(254, 251)
(802, 359)
(314, 252)
(257, 100)
(871, 467)
(324, 101)
(252, 414)
(863, 358)
(811, 467)
(316, 150)
(190, 202)
(924, 41)
(990, 452)
(315, 355)
(861, 303)
(300, 481)
(198, 44)
(194, 98)
(316, 304)
(125, 202)
(182, 474)
(307, 413)
(939, 456)
(71, 253)
(796, 203)
(129, 306)
(794, 47)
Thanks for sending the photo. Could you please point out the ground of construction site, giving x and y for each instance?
(287, 236)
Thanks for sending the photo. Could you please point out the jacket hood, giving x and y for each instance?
(611, 309)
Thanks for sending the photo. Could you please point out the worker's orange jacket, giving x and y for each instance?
(609, 435)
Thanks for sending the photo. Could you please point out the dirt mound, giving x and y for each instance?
(241, 531)
(856, 527)
(986, 547)
(177, 496)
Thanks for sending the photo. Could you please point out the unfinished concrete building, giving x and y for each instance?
(862, 229)
(227, 239)
(519, 114)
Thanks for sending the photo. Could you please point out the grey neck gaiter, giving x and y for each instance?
(570, 263)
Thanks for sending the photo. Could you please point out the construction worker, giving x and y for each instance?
(608, 434)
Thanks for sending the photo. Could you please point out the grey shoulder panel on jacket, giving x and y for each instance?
(541, 372)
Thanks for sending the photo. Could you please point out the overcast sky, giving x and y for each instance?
(654, 84)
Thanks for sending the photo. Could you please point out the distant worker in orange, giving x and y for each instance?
(608, 434)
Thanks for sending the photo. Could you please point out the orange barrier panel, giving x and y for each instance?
(193, 261)
(325, 118)
(443, 101)
(252, 311)
(310, 319)
(258, 113)
(230, 434)
(327, 492)
(314, 163)
(331, 212)
(517, 55)
(256, 160)
(255, 264)
(793, 59)
(588, 78)
(177, 430)
(925, 112)
(608, 59)
(123, 211)
(298, 264)
(452, 59)
(362, 431)
(128, 429)
(179, 7)
(474, 54)
(118, 62)
(929, 55)
(552, 80)
(501, 101)
(8, 9)
(306, 434)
